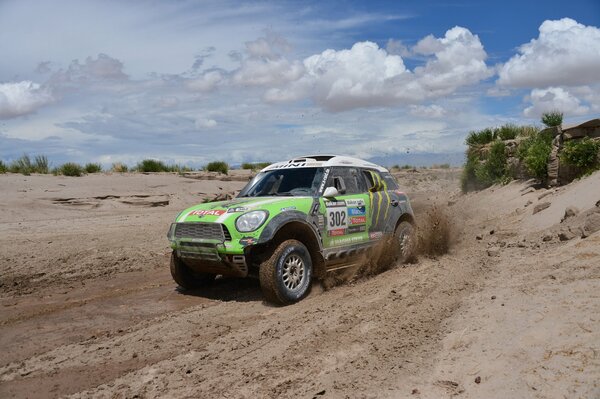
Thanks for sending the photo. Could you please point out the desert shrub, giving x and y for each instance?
(3, 168)
(480, 137)
(480, 173)
(527, 131)
(179, 168)
(507, 132)
(70, 169)
(119, 167)
(582, 153)
(217, 166)
(442, 166)
(40, 164)
(552, 118)
(255, 166)
(151, 165)
(22, 165)
(92, 168)
(534, 152)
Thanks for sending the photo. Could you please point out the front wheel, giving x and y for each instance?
(286, 277)
(406, 241)
(188, 278)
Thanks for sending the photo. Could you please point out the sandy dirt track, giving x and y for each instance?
(88, 308)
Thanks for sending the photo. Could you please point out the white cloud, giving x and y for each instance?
(21, 98)
(265, 65)
(366, 75)
(206, 82)
(565, 53)
(428, 111)
(205, 123)
(101, 68)
(554, 98)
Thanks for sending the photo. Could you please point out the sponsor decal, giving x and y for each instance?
(289, 165)
(211, 212)
(347, 240)
(355, 202)
(356, 229)
(358, 220)
(376, 235)
(360, 211)
(333, 204)
(315, 208)
(245, 241)
(337, 232)
(288, 208)
(237, 209)
(325, 175)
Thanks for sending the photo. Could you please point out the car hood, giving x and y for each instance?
(222, 211)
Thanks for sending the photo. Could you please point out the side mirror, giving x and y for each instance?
(331, 192)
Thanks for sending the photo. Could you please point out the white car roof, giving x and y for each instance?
(315, 161)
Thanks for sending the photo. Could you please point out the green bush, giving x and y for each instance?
(535, 152)
(582, 153)
(481, 173)
(552, 118)
(527, 131)
(25, 166)
(480, 137)
(92, 168)
(22, 165)
(507, 132)
(152, 165)
(70, 169)
(218, 166)
(2, 167)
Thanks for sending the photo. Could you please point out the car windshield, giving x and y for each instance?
(284, 182)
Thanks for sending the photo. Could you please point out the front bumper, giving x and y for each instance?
(203, 247)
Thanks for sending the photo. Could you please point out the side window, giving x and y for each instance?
(346, 180)
(390, 181)
(374, 180)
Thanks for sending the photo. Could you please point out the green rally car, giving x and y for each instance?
(293, 222)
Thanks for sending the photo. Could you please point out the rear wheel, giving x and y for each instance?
(405, 241)
(286, 277)
(188, 278)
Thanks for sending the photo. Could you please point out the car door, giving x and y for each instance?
(383, 208)
(345, 214)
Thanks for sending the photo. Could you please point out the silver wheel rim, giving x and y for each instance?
(294, 272)
(405, 242)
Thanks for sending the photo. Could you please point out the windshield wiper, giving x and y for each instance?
(284, 194)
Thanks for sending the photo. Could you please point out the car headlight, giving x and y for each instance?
(250, 221)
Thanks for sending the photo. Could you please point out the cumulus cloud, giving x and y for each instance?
(265, 64)
(366, 75)
(22, 98)
(554, 98)
(565, 53)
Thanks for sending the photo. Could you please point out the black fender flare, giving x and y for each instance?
(284, 218)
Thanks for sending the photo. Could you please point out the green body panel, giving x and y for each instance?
(347, 220)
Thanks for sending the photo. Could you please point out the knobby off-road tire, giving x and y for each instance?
(188, 278)
(406, 242)
(286, 277)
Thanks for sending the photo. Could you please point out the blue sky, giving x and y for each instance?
(195, 81)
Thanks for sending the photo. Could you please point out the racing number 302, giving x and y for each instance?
(337, 218)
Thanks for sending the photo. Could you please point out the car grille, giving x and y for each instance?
(206, 231)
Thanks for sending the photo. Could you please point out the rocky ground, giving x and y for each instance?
(89, 308)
